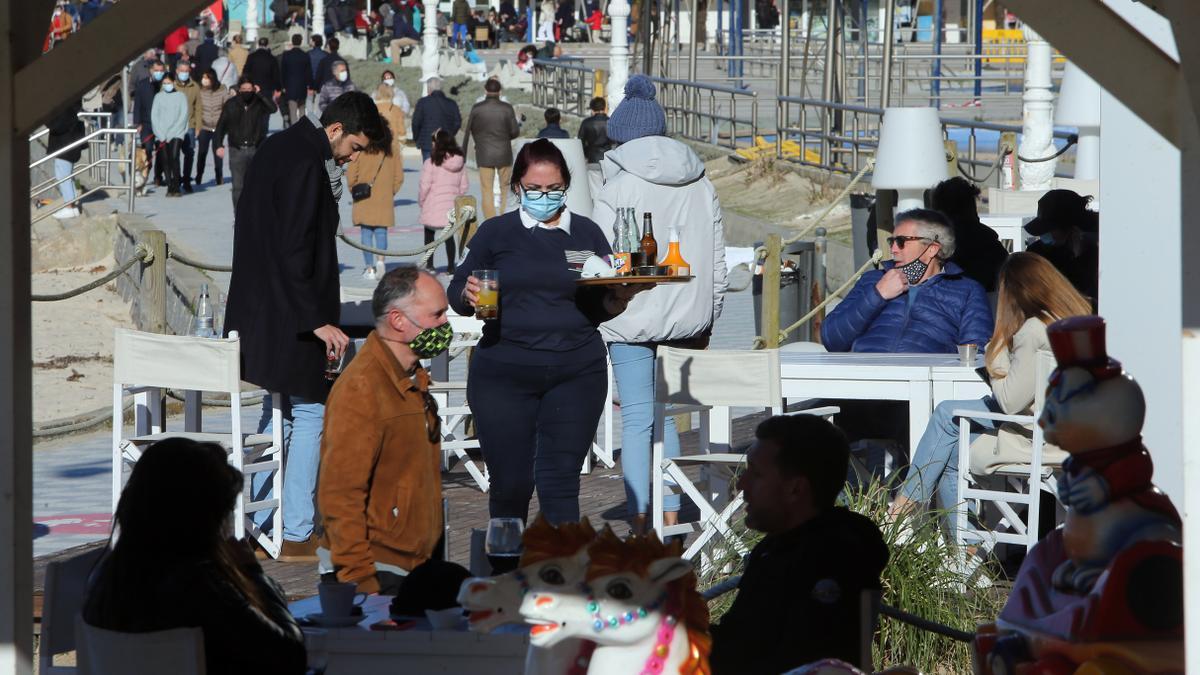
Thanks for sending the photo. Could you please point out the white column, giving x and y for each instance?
(618, 53)
(1037, 133)
(251, 23)
(317, 20)
(429, 44)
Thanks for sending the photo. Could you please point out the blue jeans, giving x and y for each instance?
(377, 235)
(934, 463)
(302, 423)
(62, 169)
(459, 36)
(633, 368)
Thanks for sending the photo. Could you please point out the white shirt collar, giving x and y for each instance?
(564, 221)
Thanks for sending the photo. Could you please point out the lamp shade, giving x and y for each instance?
(911, 155)
(1078, 100)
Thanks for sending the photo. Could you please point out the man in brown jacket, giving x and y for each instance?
(380, 487)
(494, 125)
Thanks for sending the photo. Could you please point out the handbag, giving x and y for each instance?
(361, 191)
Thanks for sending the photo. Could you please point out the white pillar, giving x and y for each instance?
(1037, 133)
(618, 53)
(251, 23)
(429, 44)
(317, 20)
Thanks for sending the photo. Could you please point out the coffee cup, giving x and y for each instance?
(338, 599)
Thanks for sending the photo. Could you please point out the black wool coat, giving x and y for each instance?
(285, 269)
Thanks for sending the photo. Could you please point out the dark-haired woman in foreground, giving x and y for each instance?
(174, 565)
(538, 379)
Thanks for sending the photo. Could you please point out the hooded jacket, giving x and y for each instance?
(934, 317)
(662, 176)
(440, 185)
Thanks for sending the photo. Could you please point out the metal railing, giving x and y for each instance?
(563, 84)
(845, 136)
(709, 113)
(102, 154)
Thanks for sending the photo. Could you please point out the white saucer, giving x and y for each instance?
(334, 621)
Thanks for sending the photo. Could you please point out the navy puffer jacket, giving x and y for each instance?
(945, 311)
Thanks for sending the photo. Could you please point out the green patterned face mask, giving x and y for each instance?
(431, 342)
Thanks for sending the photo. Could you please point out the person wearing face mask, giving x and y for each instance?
(538, 377)
(382, 440)
(443, 180)
(143, 103)
(399, 98)
(244, 120)
(185, 84)
(337, 85)
(169, 118)
(284, 297)
(212, 100)
(1066, 232)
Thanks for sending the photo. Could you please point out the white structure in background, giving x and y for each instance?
(1079, 106)
(318, 17)
(618, 53)
(1037, 127)
(251, 23)
(911, 157)
(430, 54)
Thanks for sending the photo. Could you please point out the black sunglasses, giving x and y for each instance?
(902, 240)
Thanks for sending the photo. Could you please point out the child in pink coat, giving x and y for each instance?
(443, 179)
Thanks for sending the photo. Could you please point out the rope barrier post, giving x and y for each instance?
(951, 158)
(154, 282)
(469, 228)
(819, 282)
(770, 291)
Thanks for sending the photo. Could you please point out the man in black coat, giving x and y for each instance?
(244, 121)
(284, 297)
(325, 69)
(799, 598)
(552, 128)
(593, 132)
(434, 111)
(143, 104)
(296, 70)
(262, 68)
(206, 53)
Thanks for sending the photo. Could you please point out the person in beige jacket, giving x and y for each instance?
(385, 174)
(1032, 294)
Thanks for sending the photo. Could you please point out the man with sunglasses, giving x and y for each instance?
(920, 302)
(380, 488)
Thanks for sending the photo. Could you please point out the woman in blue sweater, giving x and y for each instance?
(538, 378)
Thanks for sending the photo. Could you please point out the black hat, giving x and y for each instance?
(1059, 209)
(433, 584)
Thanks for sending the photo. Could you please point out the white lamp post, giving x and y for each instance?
(1079, 107)
(317, 20)
(1037, 128)
(429, 43)
(251, 23)
(911, 157)
(618, 52)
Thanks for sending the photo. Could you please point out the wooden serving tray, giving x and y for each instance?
(635, 279)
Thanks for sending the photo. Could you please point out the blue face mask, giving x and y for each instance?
(1047, 239)
(544, 205)
(168, 87)
(184, 77)
(158, 75)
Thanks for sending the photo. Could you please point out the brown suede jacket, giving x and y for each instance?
(380, 488)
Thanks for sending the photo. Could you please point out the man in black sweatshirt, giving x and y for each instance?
(799, 597)
(244, 120)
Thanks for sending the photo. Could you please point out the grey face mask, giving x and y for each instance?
(335, 178)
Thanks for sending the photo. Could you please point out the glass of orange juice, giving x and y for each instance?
(488, 304)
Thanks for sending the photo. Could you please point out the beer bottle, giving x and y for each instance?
(674, 261)
(649, 246)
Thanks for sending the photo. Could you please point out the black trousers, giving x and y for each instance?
(172, 165)
(430, 235)
(206, 139)
(188, 147)
(239, 162)
(535, 426)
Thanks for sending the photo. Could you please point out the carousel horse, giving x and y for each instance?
(553, 557)
(639, 605)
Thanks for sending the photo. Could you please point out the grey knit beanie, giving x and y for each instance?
(639, 114)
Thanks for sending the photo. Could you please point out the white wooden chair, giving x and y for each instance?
(710, 383)
(1027, 480)
(179, 651)
(603, 450)
(455, 444)
(146, 364)
(66, 582)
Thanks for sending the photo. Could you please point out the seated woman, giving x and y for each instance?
(1032, 294)
(175, 565)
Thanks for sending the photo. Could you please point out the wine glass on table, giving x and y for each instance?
(503, 543)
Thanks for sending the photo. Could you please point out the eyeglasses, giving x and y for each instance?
(433, 421)
(900, 241)
(539, 194)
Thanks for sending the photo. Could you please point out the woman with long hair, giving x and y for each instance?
(213, 96)
(1032, 295)
(443, 179)
(175, 565)
(374, 209)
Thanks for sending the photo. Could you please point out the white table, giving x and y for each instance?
(893, 377)
(358, 650)
(957, 383)
(1009, 226)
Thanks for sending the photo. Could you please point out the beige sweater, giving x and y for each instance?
(1015, 391)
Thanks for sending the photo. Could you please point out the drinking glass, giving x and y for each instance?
(487, 306)
(317, 650)
(503, 543)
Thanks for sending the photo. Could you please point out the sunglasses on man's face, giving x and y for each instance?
(900, 241)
